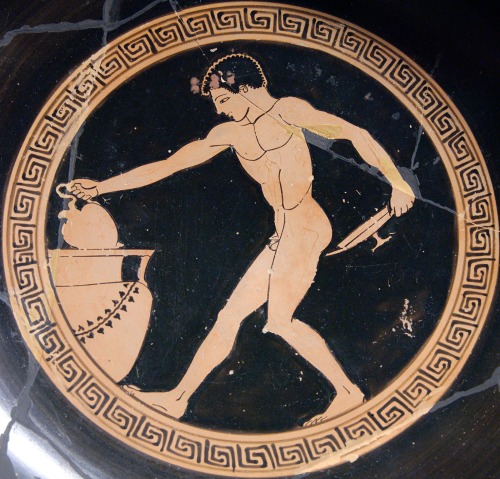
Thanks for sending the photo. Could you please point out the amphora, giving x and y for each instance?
(109, 316)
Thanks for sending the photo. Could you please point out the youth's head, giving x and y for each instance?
(229, 79)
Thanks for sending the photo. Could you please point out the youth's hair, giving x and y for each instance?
(231, 72)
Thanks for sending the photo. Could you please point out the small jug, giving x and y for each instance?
(90, 227)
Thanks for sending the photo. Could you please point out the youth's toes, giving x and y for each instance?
(130, 389)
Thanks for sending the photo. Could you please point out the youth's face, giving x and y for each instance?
(233, 105)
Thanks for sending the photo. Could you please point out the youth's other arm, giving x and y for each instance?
(301, 114)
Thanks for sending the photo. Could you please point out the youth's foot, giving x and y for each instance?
(171, 403)
(345, 400)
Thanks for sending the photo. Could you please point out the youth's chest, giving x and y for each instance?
(252, 141)
(271, 133)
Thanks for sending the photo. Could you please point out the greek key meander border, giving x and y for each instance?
(249, 455)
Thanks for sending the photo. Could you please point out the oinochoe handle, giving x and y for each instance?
(64, 194)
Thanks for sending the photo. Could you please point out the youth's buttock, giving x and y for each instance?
(309, 220)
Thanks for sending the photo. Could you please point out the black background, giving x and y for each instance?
(453, 40)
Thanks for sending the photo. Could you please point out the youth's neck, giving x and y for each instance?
(260, 102)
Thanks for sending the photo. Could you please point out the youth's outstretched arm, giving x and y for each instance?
(190, 155)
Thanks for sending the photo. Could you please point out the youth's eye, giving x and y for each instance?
(224, 99)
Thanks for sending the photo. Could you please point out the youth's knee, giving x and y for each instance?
(278, 328)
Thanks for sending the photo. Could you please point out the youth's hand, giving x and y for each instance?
(84, 189)
(401, 201)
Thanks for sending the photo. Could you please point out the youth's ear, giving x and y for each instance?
(243, 89)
